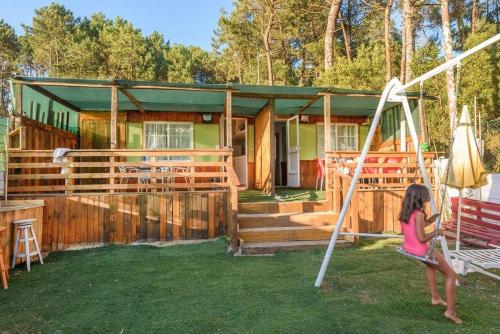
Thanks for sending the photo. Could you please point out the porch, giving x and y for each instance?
(159, 162)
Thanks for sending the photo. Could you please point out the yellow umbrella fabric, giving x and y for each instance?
(466, 170)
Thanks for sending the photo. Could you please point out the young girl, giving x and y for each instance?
(413, 222)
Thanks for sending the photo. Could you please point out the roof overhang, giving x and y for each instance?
(95, 95)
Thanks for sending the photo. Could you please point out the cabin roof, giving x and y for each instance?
(95, 95)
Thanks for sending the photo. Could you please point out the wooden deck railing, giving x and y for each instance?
(381, 170)
(378, 194)
(115, 171)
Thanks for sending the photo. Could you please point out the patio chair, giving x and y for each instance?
(391, 170)
(166, 179)
(370, 170)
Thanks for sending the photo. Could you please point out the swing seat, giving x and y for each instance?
(425, 259)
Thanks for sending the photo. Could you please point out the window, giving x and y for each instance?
(344, 137)
(168, 135)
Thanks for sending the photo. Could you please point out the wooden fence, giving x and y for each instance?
(97, 171)
(18, 210)
(379, 193)
(123, 196)
(101, 219)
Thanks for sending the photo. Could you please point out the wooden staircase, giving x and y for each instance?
(267, 227)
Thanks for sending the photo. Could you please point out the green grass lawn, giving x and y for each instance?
(282, 195)
(202, 289)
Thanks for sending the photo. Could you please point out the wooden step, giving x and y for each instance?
(284, 207)
(260, 248)
(287, 233)
(286, 219)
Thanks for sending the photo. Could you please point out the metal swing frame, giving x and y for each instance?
(395, 92)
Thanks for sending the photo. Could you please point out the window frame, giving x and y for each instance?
(334, 144)
(167, 122)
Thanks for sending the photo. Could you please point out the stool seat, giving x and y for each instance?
(24, 221)
(25, 226)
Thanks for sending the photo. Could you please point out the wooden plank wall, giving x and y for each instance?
(263, 149)
(378, 211)
(41, 136)
(101, 219)
(95, 130)
(7, 238)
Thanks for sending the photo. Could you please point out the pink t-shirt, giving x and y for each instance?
(411, 244)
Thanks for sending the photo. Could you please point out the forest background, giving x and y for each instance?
(358, 44)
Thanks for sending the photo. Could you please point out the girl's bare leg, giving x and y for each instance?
(431, 283)
(449, 285)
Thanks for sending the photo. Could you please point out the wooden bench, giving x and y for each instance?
(480, 223)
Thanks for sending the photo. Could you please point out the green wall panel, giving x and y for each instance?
(251, 143)
(133, 138)
(43, 109)
(206, 136)
(308, 146)
(363, 133)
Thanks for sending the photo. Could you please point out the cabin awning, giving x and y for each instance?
(95, 95)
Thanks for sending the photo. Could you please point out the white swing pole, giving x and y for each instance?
(450, 63)
(425, 177)
(385, 95)
(394, 83)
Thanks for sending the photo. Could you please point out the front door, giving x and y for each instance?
(239, 145)
(293, 148)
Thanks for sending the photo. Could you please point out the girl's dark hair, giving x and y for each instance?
(415, 197)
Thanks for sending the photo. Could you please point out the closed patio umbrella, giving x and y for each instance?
(466, 169)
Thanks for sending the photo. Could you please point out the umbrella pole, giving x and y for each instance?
(459, 220)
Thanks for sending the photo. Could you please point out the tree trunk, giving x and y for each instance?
(347, 39)
(269, 57)
(303, 78)
(403, 55)
(329, 34)
(266, 35)
(475, 16)
(409, 11)
(450, 80)
(387, 27)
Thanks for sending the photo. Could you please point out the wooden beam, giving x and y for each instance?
(229, 119)
(114, 115)
(113, 83)
(19, 99)
(132, 99)
(327, 128)
(54, 97)
(310, 103)
(272, 148)
(275, 96)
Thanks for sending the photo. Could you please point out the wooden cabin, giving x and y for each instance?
(160, 161)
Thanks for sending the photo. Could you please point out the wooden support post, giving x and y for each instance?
(229, 119)
(355, 214)
(153, 171)
(327, 123)
(114, 115)
(328, 138)
(16, 118)
(112, 171)
(272, 142)
(69, 171)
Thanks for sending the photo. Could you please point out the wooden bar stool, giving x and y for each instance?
(25, 226)
(3, 271)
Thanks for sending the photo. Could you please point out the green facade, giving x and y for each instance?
(45, 110)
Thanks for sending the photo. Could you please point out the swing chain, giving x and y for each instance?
(457, 82)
